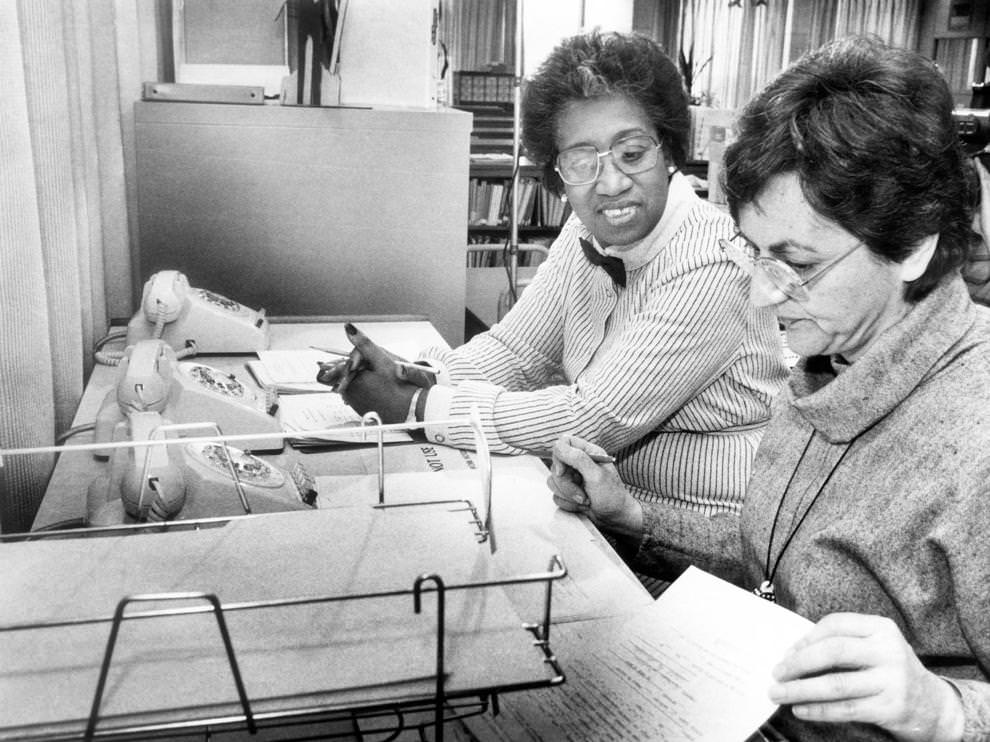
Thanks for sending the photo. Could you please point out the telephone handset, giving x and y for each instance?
(150, 379)
(188, 317)
(145, 377)
(148, 481)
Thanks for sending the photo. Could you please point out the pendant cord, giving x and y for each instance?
(780, 506)
(768, 572)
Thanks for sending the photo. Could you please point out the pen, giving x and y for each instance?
(345, 354)
(600, 458)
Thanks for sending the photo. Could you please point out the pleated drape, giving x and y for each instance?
(70, 72)
(743, 45)
(480, 34)
(737, 48)
(895, 21)
(27, 416)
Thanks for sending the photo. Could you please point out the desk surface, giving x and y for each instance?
(598, 585)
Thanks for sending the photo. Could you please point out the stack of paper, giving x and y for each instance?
(306, 414)
(289, 371)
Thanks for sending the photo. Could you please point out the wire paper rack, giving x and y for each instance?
(91, 655)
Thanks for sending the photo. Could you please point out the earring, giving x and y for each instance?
(563, 198)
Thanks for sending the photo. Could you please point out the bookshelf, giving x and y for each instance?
(956, 35)
(489, 97)
(541, 214)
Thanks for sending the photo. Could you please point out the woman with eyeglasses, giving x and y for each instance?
(868, 510)
(663, 363)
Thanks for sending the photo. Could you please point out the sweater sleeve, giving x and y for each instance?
(964, 532)
(674, 539)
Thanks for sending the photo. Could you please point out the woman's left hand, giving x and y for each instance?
(580, 485)
(853, 667)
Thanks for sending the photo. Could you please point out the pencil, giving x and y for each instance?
(332, 351)
(414, 366)
(600, 458)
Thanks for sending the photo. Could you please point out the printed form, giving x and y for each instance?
(694, 666)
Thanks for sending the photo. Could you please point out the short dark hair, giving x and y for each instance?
(596, 65)
(868, 130)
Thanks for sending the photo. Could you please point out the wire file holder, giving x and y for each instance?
(422, 587)
(442, 703)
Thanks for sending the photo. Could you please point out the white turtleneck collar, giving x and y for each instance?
(680, 198)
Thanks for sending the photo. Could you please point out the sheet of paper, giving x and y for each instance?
(403, 338)
(305, 413)
(712, 647)
(691, 667)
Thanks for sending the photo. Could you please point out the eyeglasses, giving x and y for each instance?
(782, 276)
(582, 165)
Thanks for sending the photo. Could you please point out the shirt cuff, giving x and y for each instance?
(411, 415)
(438, 403)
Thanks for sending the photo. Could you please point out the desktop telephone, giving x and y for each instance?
(150, 379)
(156, 483)
(187, 317)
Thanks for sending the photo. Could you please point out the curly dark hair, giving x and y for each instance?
(597, 65)
(868, 130)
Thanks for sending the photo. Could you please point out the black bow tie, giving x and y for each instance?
(613, 266)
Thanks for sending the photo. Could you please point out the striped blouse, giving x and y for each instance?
(673, 374)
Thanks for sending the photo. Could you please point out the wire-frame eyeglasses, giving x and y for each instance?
(782, 276)
(582, 165)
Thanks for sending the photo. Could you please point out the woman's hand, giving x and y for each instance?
(857, 668)
(580, 485)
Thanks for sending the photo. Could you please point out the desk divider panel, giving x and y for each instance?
(308, 211)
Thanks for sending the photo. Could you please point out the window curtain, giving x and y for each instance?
(480, 34)
(895, 21)
(731, 49)
(70, 73)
